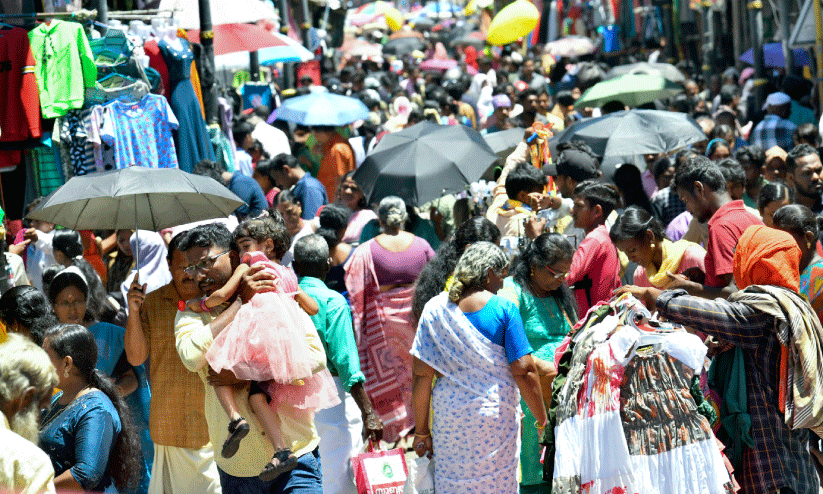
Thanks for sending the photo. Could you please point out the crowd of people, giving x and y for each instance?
(263, 351)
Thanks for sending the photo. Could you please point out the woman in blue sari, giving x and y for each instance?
(473, 340)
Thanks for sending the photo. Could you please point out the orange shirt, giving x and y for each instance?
(338, 160)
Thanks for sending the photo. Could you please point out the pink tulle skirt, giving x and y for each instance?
(266, 341)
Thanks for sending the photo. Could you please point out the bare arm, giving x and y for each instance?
(372, 425)
(308, 304)
(65, 482)
(127, 383)
(137, 346)
(220, 322)
(526, 376)
(225, 292)
(422, 378)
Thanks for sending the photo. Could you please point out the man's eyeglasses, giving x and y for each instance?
(203, 265)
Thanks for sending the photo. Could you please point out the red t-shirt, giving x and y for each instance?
(595, 270)
(725, 228)
(20, 102)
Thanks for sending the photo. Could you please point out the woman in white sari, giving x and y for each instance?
(474, 342)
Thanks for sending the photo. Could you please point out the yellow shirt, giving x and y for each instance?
(24, 468)
(193, 338)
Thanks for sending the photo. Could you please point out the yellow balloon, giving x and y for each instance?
(394, 19)
(513, 22)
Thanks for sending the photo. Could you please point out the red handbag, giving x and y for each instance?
(380, 472)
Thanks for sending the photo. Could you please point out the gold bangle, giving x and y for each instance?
(423, 435)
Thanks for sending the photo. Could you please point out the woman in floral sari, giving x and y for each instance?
(474, 341)
(379, 277)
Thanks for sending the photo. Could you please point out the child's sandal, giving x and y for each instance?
(287, 463)
(237, 432)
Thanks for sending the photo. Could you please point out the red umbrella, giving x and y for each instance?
(438, 64)
(231, 38)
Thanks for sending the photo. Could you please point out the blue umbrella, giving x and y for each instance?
(773, 56)
(322, 109)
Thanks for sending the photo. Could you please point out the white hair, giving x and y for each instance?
(392, 212)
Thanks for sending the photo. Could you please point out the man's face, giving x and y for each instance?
(807, 176)
(291, 215)
(185, 284)
(543, 103)
(695, 203)
(501, 115)
(582, 213)
(752, 172)
(774, 169)
(528, 68)
(211, 266)
(530, 104)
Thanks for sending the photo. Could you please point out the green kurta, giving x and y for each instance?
(545, 326)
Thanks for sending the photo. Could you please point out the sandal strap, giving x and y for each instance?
(234, 423)
(282, 455)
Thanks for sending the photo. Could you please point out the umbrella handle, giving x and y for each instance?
(136, 238)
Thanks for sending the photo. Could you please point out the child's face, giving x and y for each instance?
(248, 244)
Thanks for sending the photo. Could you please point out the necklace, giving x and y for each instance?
(57, 410)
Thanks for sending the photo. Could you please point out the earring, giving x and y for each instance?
(652, 245)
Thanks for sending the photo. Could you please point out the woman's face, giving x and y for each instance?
(775, 170)
(770, 209)
(720, 152)
(59, 364)
(291, 216)
(496, 280)
(637, 250)
(124, 242)
(549, 278)
(70, 305)
(350, 194)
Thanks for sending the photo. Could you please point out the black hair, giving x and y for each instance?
(524, 177)
(240, 130)
(41, 326)
(24, 305)
(208, 235)
(661, 166)
(751, 154)
(68, 242)
(598, 194)
(263, 111)
(545, 250)
(565, 97)
(799, 151)
(283, 160)
(209, 168)
(98, 307)
(261, 229)
(716, 143)
(720, 131)
(174, 244)
(432, 279)
(612, 106)
(732, 171)
(798, 219)
(333, 218)
(324, 128)
(773, 191)
(628, 180)
(633, 225)
(77, 342)
(287, 196)
(264, 168)
(699, 169)
(807, 133)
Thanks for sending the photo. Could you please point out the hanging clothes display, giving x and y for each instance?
(141, 133)
(192, 141)
(626, 420)
(64, 66)
(20, 103)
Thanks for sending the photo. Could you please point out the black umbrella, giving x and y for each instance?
(423, 162)
(136, 197)
(504, 142)
(402, 46)
(633, 132)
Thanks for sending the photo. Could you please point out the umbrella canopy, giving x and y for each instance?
(406, 34)
(633, 132)
(475, 39)
(222, 11)
(504, 142)
(403, 46)
(423, 162)
(291, 52)
(571, 46)
(233, 38)
(362, 48)
(438, 64)
(322, 109)
(136, 197)
(773, 56)
(629, 89)
(667, 70)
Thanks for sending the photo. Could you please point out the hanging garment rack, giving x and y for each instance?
(84, 14)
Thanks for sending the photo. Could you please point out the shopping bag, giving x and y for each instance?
(380, 472)
(421, 477)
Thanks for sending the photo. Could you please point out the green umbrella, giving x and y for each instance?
(630, 89)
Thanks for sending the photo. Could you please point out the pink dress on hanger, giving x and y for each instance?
(266, 341)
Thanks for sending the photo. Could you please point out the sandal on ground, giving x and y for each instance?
(287, 463)
(237, 432)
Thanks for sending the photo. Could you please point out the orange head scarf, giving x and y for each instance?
(765, 256)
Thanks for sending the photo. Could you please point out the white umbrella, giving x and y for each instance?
(222, 12)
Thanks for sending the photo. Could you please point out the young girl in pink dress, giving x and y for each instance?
(266, 343)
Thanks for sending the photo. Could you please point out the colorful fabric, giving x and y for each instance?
(20, 103)
(780, 457)
(677, 258)
(338, 160)
(64, 66)
(766, 256)
(725, 228)
(380, 342)
(811, 286)
(48, 173)
(499, 321)
(476, 411)
(798, 330)
(141, 133)
(667, 205)
(223, 149)
(400, 268)
(773, 131)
